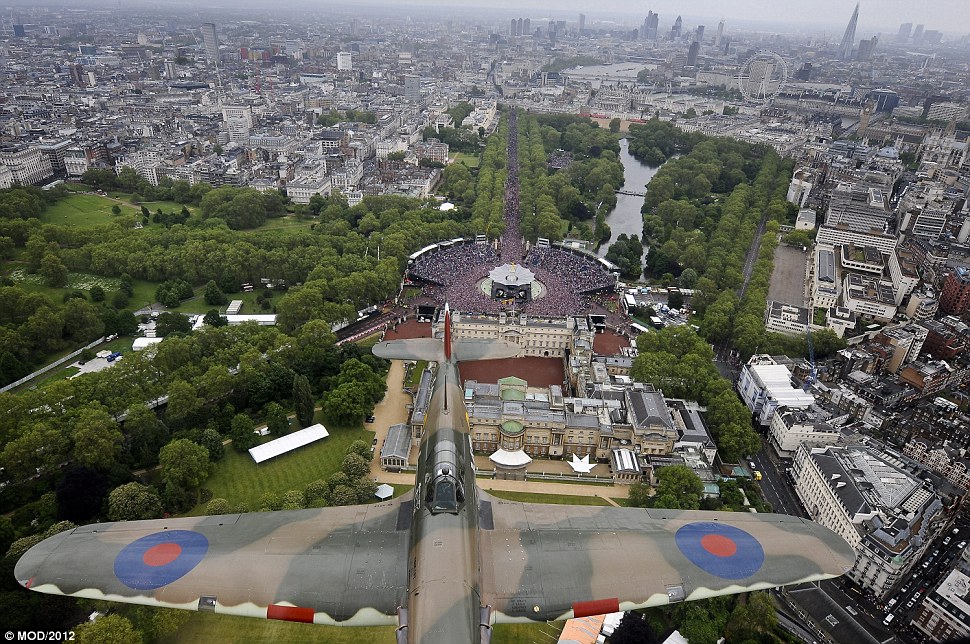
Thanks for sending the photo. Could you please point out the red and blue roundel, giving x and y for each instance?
(721, 550)
(159, 559)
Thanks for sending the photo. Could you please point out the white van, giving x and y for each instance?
(889, 619)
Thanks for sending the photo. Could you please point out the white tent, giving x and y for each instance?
(288, 443)
(384, 491)
(581, 465)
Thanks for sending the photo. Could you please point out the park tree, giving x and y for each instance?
(315, 492)
(97, 294)
(355, 466)
(40, 446)
(52, 270)
(303, 400)
(185, 465)
(633, 629)
(361, 448)
(116, 209)
(146, 434)
(107, 629)
(639, 495)
(243, 433)
(97, 439)
(347, 403)
(211, 440)
(213, 295)
(169, 323)
(183, 402)
(343, 495)
(292, 500)
(217, 506)
(212, 318)
(80, 493)
(366, 489)
(679, 488)
(276, 419)
(134, 502)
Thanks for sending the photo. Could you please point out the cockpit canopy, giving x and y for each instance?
(445, 494)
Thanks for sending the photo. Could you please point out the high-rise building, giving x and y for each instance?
(210, 40)
(513, 27)
(692, 52)
(720, 34)
(955, 299)
(239, 122)
(918, 35)
(677, 29)
(77, 75)
(699, 34)
(526, 27)
(518, 27)
(170, 72)
(412, 88)
(866, 47)
(582, 23)
(804, 73)
(904, 30)
(845, 48)
(345, 61)
(19, 31)
(650, 25)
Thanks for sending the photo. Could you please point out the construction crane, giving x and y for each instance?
(813, 374)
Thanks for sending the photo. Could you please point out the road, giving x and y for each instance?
(775, 484)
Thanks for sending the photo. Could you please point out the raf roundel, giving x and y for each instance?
(158, 559)
(721, 550)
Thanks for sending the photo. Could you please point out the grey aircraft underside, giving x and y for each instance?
(443, 563)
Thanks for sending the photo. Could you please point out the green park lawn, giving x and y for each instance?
(240, 481)
(84, 210)
(471, 160)
(535, 497)
(225, 629)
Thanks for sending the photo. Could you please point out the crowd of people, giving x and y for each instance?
(572, 282)
(580, 274)
(511, 245)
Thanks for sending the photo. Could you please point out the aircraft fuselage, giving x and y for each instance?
(444, 594)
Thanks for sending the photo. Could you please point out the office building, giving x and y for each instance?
(582, 23)
(650, 25)
(765, 385)
(918, 35)
(345, 61)
(699, 34)
(692, 52)
(866, 47)
(412, 88)
(239, 122)
(720, 34)
(677, 29)
(873, 501)
(210, 40)
(845, 47)
(905, 30)
(955, 298)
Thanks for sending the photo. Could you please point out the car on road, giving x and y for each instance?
(370, 419)
(946, 541)
(851, 610)
(751, 463)
(962, 545)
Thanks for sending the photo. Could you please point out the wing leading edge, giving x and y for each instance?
(549, 562)
(340, 566)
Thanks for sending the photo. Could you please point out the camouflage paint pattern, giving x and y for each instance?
(429, 564)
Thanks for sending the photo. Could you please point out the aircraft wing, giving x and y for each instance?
(553, 562)
(428, 349)
(342, 565)
(467, 350)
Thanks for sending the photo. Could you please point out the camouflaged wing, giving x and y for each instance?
(427, 349)
(551, 562)
(342, 565)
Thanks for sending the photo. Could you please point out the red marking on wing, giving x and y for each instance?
(719, 545)
(162, 554)
(30, 582)
(596, 607)
(290, 613)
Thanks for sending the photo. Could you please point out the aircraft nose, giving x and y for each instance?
(30, 565)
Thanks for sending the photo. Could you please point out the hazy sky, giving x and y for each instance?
(949, 16)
